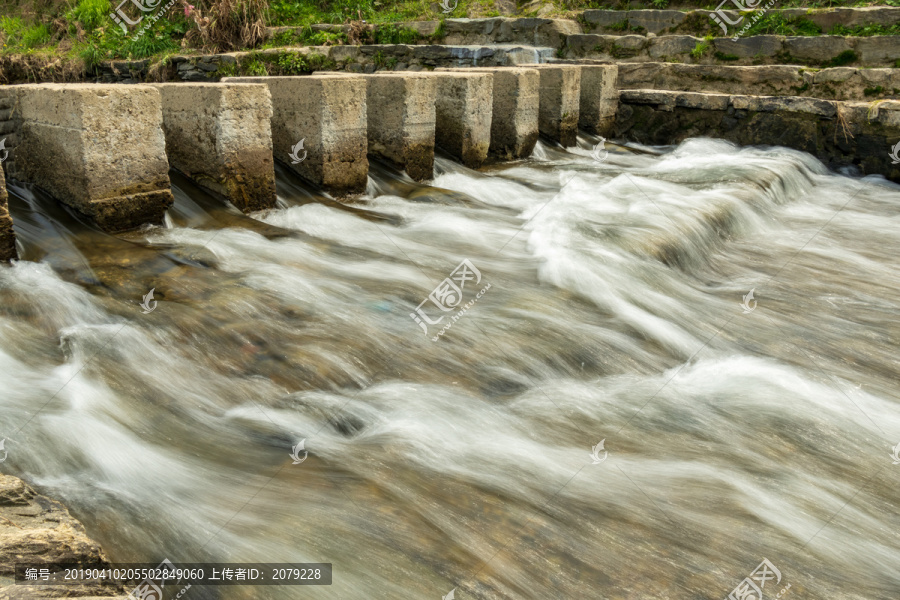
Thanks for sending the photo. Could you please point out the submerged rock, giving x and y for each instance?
(40, 531)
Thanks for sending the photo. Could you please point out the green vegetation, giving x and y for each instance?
(873, 91)
(392, 34)
(844, 58)
(725, 57)
(774, 23)
(701, 48)
(866, 30)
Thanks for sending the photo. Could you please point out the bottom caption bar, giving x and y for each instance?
(150, 578)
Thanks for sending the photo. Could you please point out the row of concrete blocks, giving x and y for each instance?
(105, 150)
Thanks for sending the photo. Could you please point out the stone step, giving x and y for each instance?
(840, 83)
(553, 32)
(819, 51)
(699, 22)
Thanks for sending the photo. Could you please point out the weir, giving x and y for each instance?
(219, 134)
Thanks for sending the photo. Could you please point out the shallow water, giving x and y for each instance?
(614, 313)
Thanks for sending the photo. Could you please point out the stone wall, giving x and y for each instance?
(839, 83)
(838, 133)
(820, 51)
(698, 22)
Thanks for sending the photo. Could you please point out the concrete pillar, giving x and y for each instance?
(220, 135)
(560, 99)
(463, 114)
(327, 113)
(401, 120)
(599, 98)
(516, 101)
(7, 235)
(98, 148)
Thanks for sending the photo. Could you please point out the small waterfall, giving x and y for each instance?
(610, 311)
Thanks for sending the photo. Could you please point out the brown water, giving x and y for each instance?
(613, 313)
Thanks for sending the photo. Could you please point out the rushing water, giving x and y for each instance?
(613, 313)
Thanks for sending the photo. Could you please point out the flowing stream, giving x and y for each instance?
(612, 311)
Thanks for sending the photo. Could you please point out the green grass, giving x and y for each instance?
(773, 23)
(21, 37)
(90, 13)
(866, 30)
(393, 34)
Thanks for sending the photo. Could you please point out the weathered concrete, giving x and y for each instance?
(401, 120)
(7, 235)
(516, 96)
(40, 531)
(220, 136)
(599, 99)
(98, 148)
(463, 114)
(327, 113)
(560, 97)
(838, 83)
(838, 133)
